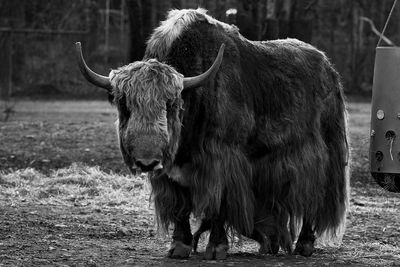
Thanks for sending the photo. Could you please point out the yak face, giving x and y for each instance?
(147, 96)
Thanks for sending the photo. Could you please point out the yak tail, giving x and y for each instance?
(333, 238)
(331, 221)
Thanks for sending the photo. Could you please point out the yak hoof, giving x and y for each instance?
(216, 252)
(179, 250)
(305, 249)
(269, 246)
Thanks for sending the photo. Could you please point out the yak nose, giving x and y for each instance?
(147, 165)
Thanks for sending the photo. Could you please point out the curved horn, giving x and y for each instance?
(191, 82)
(91, 76)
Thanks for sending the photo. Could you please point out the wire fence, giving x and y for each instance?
(41, 62)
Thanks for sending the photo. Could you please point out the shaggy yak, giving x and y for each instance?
(255, 144)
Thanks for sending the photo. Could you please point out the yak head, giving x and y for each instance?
(147, 95)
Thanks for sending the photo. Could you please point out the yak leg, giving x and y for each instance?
(182, 239)
(173, 204)
(305, 243)
(217, 247)
(205, 226)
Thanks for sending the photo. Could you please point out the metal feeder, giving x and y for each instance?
(384, 153)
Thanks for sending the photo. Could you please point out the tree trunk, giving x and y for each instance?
(271, 23)
(6, 64)
(284, 14)
(136, 39)
(142, 20)
(300, 25)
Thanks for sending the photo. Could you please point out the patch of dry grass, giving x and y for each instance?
(78, 185)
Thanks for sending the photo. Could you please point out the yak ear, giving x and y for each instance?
(196, 81)
(91, 76)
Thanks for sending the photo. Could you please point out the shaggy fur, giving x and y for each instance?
(177, 22)
(263, 145)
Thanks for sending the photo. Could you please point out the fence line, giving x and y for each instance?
(51, 32)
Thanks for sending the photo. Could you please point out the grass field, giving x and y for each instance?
(67, 199)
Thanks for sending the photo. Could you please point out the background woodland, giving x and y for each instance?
(37, 37)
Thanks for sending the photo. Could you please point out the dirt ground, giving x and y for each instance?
(57, 212)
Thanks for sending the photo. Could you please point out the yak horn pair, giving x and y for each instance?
(104, 81)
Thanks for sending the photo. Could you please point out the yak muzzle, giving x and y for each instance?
(148, 165)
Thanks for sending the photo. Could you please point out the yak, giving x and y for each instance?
(255, 145)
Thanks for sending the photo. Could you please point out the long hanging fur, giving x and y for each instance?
(264, 144)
